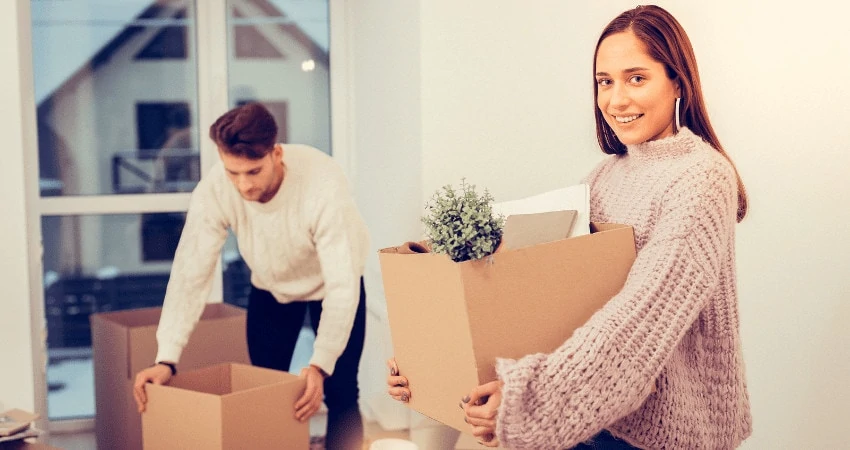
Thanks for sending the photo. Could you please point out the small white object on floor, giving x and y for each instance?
(393, 444)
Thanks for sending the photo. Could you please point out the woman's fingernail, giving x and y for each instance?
(465, 419)
(404, 397)
(465, 399)
(460, 405)
(403, 383)
(393, 371)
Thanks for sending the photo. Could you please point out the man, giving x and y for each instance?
(299, 231)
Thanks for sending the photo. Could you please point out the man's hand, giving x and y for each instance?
(310, 402)
(480, 408)
(157, 374)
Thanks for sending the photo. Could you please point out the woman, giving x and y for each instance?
(660, 366)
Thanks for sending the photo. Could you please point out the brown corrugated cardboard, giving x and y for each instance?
(449, 321)
(124, 342)
(226, 406)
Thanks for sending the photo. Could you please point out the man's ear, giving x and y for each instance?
(277, 152)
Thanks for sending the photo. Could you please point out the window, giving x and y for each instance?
(171, 41)
(91, 266)
(121, 144)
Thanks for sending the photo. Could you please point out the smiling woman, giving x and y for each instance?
(660, 365)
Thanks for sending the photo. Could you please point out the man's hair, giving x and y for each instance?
(247, 131)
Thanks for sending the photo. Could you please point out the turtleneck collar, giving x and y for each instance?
(679, 144)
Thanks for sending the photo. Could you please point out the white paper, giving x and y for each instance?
(575, 197)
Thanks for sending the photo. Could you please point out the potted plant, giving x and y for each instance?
(461, 224)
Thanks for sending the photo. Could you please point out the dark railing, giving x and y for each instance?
(70, 301)
(157, 170)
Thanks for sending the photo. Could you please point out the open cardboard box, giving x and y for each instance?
(450, 321)
(124, 342)
(226, 406)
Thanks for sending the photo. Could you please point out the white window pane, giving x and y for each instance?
(116, 94)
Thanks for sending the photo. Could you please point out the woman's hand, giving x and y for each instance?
(480, 408)
(398, 388)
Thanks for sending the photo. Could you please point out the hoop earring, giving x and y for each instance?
(678, 124)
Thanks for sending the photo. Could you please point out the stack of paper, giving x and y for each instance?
(575, 198)
(16, 424)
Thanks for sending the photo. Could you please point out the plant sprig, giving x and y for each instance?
(462, 224)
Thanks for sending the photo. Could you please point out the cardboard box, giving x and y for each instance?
(226, 406)
(450, 321)
(124, 342)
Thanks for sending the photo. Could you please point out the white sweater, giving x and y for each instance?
(308, 242)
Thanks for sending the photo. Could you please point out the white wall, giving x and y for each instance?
(17, 368)
(502, 94)
(386, 137)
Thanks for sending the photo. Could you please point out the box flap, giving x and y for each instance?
(525, 230)
(213, 380)
(260, 414)
(245, 377)
(132, 318)
(170, 412)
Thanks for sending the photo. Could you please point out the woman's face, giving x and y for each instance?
(634, 95)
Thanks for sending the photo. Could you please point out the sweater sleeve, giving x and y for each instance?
(192, 272)
(607, 368)
(337, 244)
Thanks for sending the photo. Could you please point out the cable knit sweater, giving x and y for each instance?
(308, 242)
(674, 324)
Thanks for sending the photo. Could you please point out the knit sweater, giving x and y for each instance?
(308, 242)
(673, 325)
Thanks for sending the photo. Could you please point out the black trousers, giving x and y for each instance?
(272, 331)
(604, 441)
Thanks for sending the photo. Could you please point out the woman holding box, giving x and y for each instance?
(660, 366)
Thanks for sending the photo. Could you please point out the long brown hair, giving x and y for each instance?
(667, 43)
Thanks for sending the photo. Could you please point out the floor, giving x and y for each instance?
(372, 431)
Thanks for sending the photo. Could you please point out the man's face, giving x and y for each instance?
(257, 180)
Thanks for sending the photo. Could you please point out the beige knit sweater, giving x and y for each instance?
(674, 325)
(308, 242)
